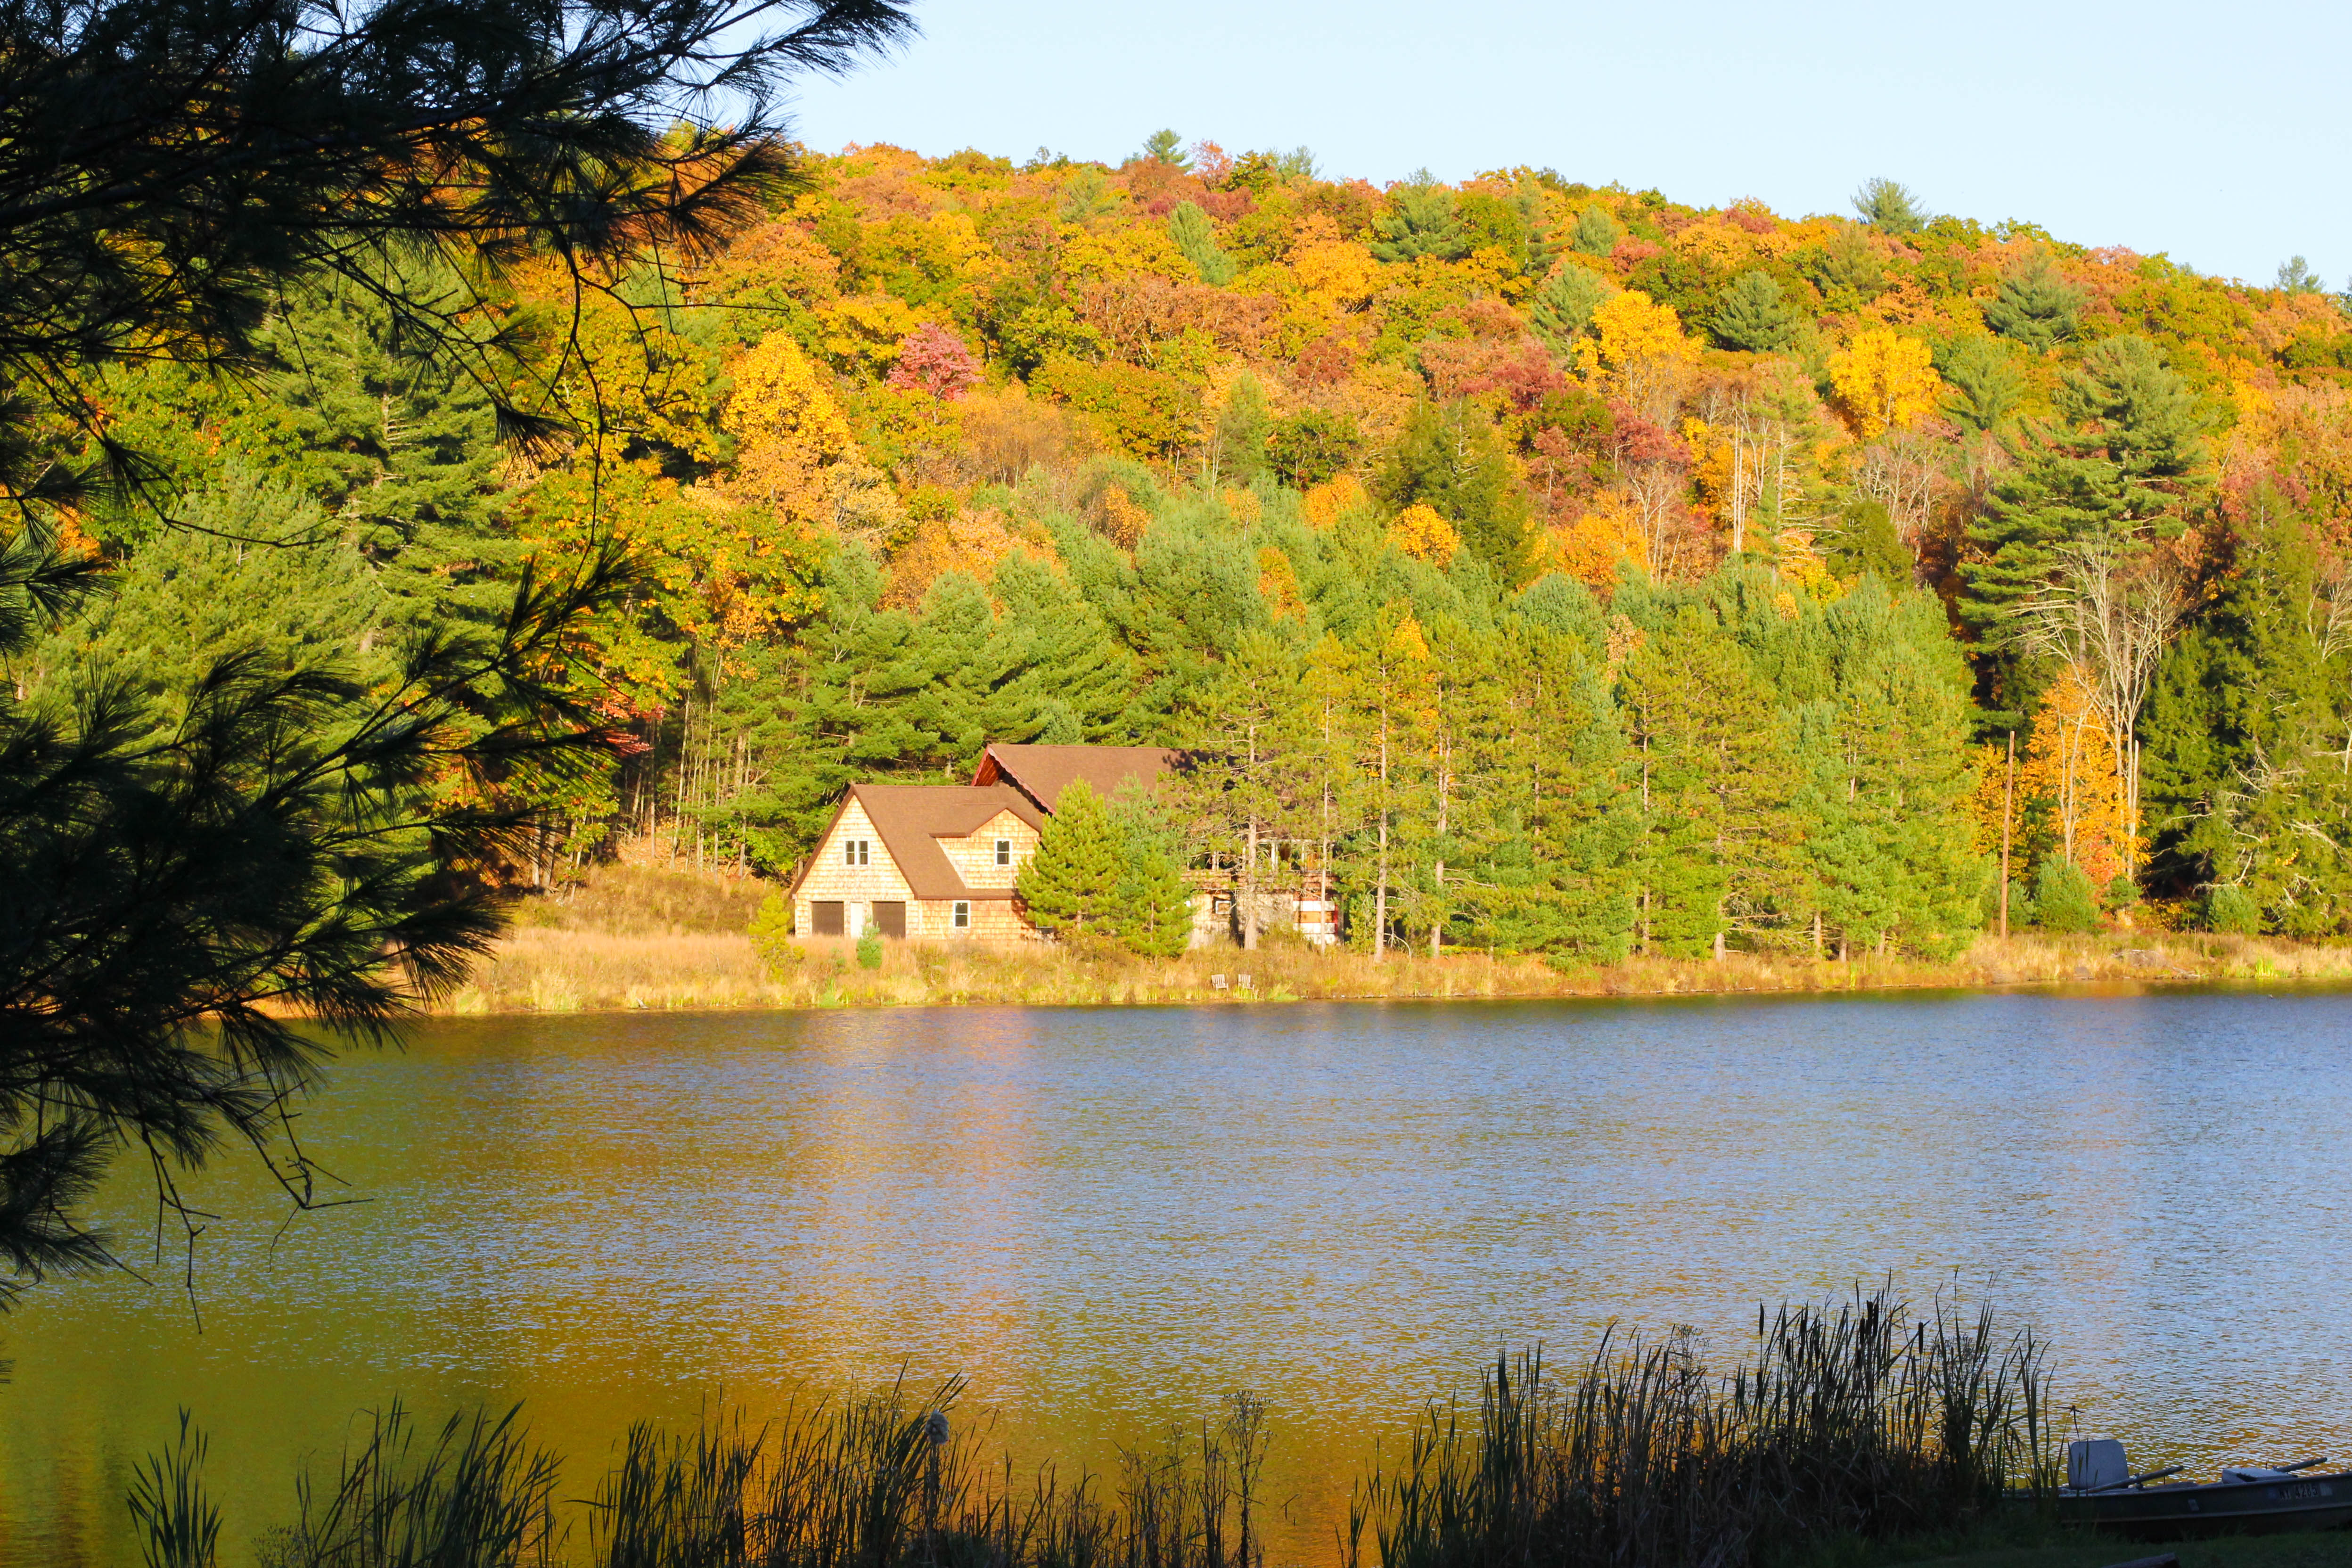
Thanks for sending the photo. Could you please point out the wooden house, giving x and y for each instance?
(936, 862)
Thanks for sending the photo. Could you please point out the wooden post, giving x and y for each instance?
(2008, 795)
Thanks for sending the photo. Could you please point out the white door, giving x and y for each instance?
(853, 917)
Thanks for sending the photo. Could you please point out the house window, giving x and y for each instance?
(1004, 852)
(960, 915)
(854, 851)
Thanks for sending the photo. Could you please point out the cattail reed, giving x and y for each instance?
(1860, 1419)
(1857, 1420)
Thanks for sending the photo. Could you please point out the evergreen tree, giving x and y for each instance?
(402, 453)
(1597, 233)
(1154, 902)
(1312, 446)
(257, 574)
(1069, 887)
(2035, 306)
(1245, 793)
(2124, 462)
(2063, 899)
(1167, 147)
(1421, 221)
(1450, 459)
(1985, 385)
(2229, 908)
(1754, 315)
(1562, 309)
(1556, 874)
(1244, 425)
(1714, 781)
(2296, 277)
(1864, 543)
(1196, 237)
(2243, 771)
(1848, 269)
(1889, 207)
(1888, 849)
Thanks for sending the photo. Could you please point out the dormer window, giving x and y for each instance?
(855, 851)
(1004, 852)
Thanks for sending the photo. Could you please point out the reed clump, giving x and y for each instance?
(1857, 1422)
(882, 1480)
(1848, 1424)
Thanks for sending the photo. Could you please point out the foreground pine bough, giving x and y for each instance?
(1859, 1419)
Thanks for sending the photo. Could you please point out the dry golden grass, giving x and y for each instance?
(537, 969)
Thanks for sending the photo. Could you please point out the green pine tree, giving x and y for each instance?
(1888, 850)
(1985, 384)
(1196, 237)
(1450, 458)
(1557, 875)
(1421, 221)
(1167, 147)
(2035, 306)
(2124, 462)
(1755, 315)
(1069, 887)
(1889, 207)
(2244, 774)
(2063, 899)
(1154, 899)
(1562, 309)
(259, 572)
(1597, 233)
(1714, 779)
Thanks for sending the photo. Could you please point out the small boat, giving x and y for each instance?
(2255, 1499)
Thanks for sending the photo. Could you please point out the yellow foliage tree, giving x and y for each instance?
(1590, 548)
(1327, 502)
(1631, 328)
(1145, 250)
(1277, 584)
(2069, 768)
(1420, 533)
(1884, 381)
(862, 332)
(795, 451)
(1338, 274)
(721, 574)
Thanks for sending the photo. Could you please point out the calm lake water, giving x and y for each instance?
(1107, 1219)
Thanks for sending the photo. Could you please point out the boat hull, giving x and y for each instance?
(2223, 1508)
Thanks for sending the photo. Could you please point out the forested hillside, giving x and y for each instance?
(1566, 569)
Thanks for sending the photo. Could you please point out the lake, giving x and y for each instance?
(1107, 1219)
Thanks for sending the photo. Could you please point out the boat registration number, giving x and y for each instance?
(2311, 1490)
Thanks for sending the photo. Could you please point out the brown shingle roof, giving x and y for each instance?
(1042, 772)
(913, 819)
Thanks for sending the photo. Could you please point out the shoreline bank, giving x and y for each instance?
(540, 970)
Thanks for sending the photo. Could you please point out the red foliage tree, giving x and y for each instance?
(932, 360)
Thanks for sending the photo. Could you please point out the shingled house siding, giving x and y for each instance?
(974, 859)
(857, 886)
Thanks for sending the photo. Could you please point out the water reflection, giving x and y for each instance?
(1109, 1217)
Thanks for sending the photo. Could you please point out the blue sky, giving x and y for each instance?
(2215, 134)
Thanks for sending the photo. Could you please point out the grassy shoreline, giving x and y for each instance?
(542, 969)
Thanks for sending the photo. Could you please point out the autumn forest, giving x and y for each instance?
(1540, 566)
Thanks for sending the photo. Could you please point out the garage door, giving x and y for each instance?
(891, 916)
(824, 916)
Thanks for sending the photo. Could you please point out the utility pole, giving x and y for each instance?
(2008, 795)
